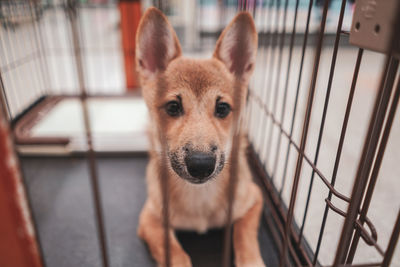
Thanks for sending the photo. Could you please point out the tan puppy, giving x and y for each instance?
(195, 105)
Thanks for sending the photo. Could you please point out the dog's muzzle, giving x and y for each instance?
(197, 166)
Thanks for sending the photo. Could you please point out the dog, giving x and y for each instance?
(193, 100)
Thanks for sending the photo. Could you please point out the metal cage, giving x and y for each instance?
(309, 66)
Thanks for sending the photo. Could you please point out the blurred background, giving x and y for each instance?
(48, 54)
(38, 60)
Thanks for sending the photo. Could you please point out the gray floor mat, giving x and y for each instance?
(62, 204)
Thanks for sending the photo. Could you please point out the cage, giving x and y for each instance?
(320, 119)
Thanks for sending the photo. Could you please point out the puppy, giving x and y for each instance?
(194, 101)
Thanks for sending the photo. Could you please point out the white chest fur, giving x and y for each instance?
(199, 207)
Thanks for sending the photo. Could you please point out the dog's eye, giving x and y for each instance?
(222, 110)
(174, 108)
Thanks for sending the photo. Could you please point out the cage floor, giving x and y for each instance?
(118, 123)
(61, 200)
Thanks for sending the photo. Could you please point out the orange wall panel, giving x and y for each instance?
(130, 16)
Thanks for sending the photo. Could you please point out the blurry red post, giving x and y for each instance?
(18, 246)
(130, 11)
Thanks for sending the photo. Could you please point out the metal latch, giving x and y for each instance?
(374, 24)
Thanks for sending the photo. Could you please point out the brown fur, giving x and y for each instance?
(198, 84)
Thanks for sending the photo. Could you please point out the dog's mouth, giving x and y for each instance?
(199, 168)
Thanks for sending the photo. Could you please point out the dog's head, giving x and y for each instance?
(192, 101)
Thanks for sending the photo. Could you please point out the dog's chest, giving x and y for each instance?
(199, 208)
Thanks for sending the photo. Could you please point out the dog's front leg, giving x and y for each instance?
(152, 232)
(245, 231)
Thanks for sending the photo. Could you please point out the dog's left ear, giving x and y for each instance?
(237, 46)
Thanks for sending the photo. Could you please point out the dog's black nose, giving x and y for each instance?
(200, 165)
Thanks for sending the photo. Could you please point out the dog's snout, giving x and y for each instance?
(200, 165)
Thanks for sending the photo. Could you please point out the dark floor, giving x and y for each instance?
(62, 205)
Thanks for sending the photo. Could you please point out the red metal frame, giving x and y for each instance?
(18, 244)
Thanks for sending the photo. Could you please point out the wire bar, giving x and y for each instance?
(265, 66)
(164, 179)
(262, 54)
(340, 148)
(304, 134)
(44, 70)
(278, 75)
(367, 156)
(277, 211)
(286, 86)
(15, 82)
(392, 242)
(20, 39)
(91, 157)
(369, 239)
(308, 160)
(269, 77)
(324, 112)
(4, 100)
(375, 170)
(303, 53)
(233, 169)
(332, 190)
(18, 62)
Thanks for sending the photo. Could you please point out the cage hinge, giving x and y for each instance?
(374, 25)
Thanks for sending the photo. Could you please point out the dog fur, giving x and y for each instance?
(199, 85)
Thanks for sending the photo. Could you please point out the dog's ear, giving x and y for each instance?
(237, 46)
(156, 43)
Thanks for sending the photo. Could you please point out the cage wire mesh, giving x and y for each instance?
(310, 119)
(37, 43)
(288, 113)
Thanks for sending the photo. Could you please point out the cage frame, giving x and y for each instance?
(287, 234)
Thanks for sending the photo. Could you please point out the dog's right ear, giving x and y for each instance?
(156, 44)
